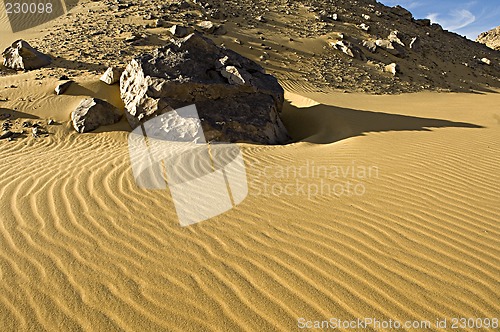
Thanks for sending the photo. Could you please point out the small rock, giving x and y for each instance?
(111, 76)
(21, 56)
(394, 37)
(92, 113)
(50, 122)
(264, 56)
(415, 44)
(370, 45)
(207, 26)
(486, 61)
(159, 23)
(366, 17)
(62, 87)
(6, 134)
(423, 22)
(364, 27)
(392, 68)
(234, 75)
(261, 19)
(324, 16)
(178, 31)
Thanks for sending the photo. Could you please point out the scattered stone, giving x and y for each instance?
(265, 56)
(366, 17)
(261, 19)
(62, 87)
(324, 16)
(35, 132)
(92, 113)
(364, 27)
(50, 122)
(111, 76)
(178, 31)
(235, 98)
(394, 37)
(159, 23)
(370, 45)
(392, 48)
(349, 49)
(392, 68)
(21, 56)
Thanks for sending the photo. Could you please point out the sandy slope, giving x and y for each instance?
(83, 248)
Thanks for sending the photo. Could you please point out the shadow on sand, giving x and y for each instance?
(324, 124)
(8, 114)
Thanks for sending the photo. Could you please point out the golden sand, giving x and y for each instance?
(415, 238)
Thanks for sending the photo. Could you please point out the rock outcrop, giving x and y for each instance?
(490, 38)
(111, 76)
(92, 113)
(21, 56)
(235, 98)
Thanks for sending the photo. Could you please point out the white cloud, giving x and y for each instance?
(455, 20)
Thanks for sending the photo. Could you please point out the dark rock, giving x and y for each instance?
(400, 11)
(235, 98)
(178, 31)
(93, 113)
(6, 134)
(423, 22)
(62, 87)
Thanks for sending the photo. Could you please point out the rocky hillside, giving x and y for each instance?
(351, 45)
(490, 38)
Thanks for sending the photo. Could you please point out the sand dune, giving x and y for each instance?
(83, 248)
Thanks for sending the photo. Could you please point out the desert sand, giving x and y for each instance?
(83, 248)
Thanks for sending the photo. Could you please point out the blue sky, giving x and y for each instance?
(465, 17)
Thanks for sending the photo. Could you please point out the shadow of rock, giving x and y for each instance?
(324, 124)
(75, 65)
(8, 114)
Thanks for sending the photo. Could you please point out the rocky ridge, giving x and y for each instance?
(352, 42)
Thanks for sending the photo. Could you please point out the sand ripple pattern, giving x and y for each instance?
(83, 249)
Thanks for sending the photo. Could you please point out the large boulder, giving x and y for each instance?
(490, 38)
(92, 113)
(21, 56)
(235, 98)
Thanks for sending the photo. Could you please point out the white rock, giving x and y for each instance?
(392, 68)
(234, 75)
(111, 76)
(62, 87)
(486, 61)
